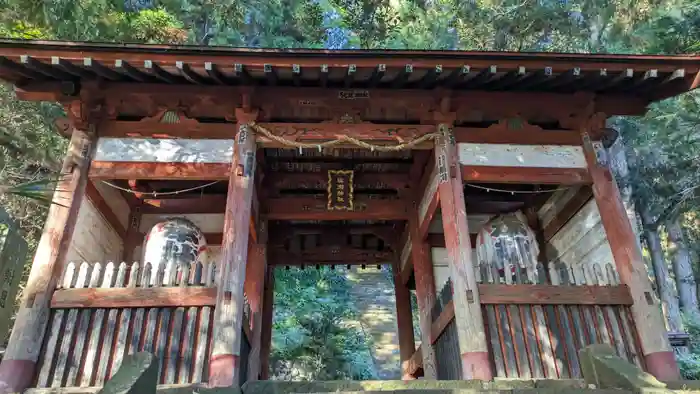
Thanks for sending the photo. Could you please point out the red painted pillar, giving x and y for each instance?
(266, 325)
(470, 325)
(19, 362)
(646, 311)
(404, 320)
(425, 293)
(254, 283)
(228, 315)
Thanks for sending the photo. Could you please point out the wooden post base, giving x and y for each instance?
(16, 375)
(477, 365)
(663, 366)
(223, 369)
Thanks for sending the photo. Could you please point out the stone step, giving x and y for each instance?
(415, 386)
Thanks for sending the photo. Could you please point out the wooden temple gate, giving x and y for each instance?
(413, 147)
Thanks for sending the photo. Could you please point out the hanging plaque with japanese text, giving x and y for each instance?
(340, 190)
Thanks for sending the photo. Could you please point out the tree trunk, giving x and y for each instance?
(664, 283)
(682, 268)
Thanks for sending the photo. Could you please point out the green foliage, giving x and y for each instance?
(689, 363)
(313, 335)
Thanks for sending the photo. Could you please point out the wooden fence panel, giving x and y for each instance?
(86, 346)
(542, 341)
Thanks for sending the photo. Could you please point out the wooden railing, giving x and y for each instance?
(100, 313)
(534, 330)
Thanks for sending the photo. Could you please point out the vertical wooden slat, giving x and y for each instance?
(507, 341)
(96, 336)
(150, 333)
(630, 337)
(547, 352)
(56, 334)
(108, 347)
(568, 332)
(164, 324)
(533, 346)
(82, 332)
(188, 338)
(138, 319)
(496, 348)
(174, 346)
(121, 346)
(202, 343)
(518, 335)
(67, 343)
(555, 334)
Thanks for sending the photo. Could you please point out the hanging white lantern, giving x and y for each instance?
(508, 247)
(173, 244)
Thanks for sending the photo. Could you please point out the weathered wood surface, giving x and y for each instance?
(19, 361)
(508, 155)
(629, 262)
(164, 150)
(582, 241)
(305, 208)
(155, 297)
(228, 315)
(542, 339)
(94, 239)
(543, 175)
(470, 326)
(106, 170)
(87, 345)
(554, 295)
(116, 202)
(98, 201)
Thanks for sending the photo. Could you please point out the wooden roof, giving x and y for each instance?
(642, 76)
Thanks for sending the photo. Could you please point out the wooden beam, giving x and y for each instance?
(488, 174)
(320, 179)
(305, 208)
(439, 325)
(228, 315)
(568, 211)
(646, 311)
(319, 132)
(517, 137)
(19, 363)
(137, 297)
(150, 170)
(554, 295)
(329, 255)
(216, 101)
(205, 203)
(94, 196)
